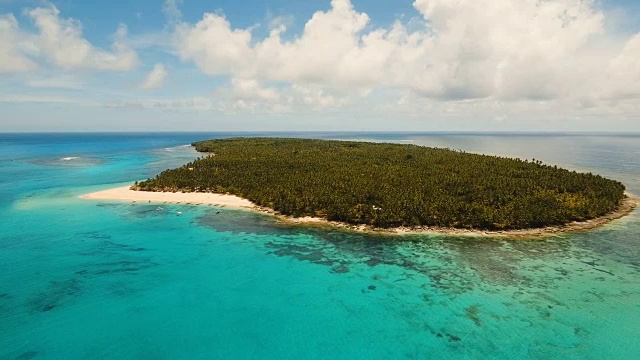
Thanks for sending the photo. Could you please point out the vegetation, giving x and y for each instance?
(390, 185)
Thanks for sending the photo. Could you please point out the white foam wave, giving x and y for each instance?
(171, 149)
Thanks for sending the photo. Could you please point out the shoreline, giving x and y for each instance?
(126, 194)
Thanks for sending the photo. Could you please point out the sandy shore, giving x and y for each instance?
(627, 207)
(126, 194)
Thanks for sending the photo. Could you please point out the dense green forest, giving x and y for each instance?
(391, 185)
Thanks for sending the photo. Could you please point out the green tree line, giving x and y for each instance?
(391, 185)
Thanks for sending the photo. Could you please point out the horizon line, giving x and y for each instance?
(450, 132)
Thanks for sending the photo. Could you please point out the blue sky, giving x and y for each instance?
(428, 65)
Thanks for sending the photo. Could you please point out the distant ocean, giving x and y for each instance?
(108, 280)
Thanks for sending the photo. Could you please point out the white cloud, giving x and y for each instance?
(59, 41)
(484, 50)
(252, 90)
(248, 95)
(315, 97)
(155, 78)
(252, 96)
(462, 59)
(11, 57)
(215, 47)
(509, 49)
(624, 71)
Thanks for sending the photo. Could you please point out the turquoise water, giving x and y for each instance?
(107, 280)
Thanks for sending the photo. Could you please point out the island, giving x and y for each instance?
(390, 187)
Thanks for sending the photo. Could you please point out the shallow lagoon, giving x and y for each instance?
(82, 279)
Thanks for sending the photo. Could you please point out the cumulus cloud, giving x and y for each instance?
(215, 47)
(496, 50)
(462, 58)
(243, 89)
(59, 41)
(249, 95)
(315, 97)
(255, 96)
(12, 58)
(155, 78)
(62, 43)
(624, 71)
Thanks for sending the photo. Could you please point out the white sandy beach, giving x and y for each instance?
(126, 194)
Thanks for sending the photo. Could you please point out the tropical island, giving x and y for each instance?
(392, 186)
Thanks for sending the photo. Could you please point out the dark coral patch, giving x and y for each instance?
(453, 338)
(27, 355)
(55, 295)
(340, 269)
(472, 314)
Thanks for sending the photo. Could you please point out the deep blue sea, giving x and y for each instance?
(84, 279)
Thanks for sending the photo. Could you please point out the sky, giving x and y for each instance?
(320, 65)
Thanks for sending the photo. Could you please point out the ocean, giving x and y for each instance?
(86, 279)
